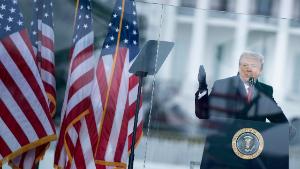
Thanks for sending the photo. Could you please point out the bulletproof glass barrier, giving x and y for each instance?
(184, 122)
(186, 129)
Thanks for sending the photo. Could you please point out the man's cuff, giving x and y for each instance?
(203, 93)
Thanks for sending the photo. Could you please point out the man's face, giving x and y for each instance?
(249, 67)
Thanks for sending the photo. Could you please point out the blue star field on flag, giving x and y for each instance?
(42, 12)
(11, 20)
(84, 20)
(129, 33)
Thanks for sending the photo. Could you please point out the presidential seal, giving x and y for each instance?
(247, 143)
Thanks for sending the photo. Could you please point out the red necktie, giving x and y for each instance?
(250, 93)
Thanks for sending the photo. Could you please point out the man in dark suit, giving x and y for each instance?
(238, 97)
(241, 96)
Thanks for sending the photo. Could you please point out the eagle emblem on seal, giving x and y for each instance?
(247, 143)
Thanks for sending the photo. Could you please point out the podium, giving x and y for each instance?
(244, 144)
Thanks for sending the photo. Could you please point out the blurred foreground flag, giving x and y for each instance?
(42, 38)
(78, 134)
(25, 120)
(115, 92)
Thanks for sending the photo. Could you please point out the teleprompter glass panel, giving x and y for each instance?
(230, 130)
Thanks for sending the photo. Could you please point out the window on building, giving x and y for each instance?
(296, 76)
(222, 5)
(182, 50)
(296, 11)
(295, 21)
(219, 54)
(186, 5)
(265, 7)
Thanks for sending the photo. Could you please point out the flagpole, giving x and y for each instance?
(141, 76)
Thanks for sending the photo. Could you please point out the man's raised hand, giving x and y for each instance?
(202, 78)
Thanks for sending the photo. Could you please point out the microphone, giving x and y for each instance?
(251, 81)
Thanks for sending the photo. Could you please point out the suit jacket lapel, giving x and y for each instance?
(241, 87)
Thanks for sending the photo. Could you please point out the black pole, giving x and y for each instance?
(140, 75)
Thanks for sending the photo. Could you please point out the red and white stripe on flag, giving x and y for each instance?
(78, 134)
(76, 137)
(42, 37)
(29, 159)
(24, 114)
(118, 117)
(45, 53)
(47, 63)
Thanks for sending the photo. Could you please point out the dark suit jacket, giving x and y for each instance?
(228, 99)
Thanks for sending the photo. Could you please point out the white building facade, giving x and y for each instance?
(215, 32)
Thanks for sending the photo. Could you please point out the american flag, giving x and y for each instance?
(114, 100)
(42, 38)
(25, 120)
(78, 135)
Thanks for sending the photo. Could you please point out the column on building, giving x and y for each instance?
(280, 57)
(241, 33)
(196, 54)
